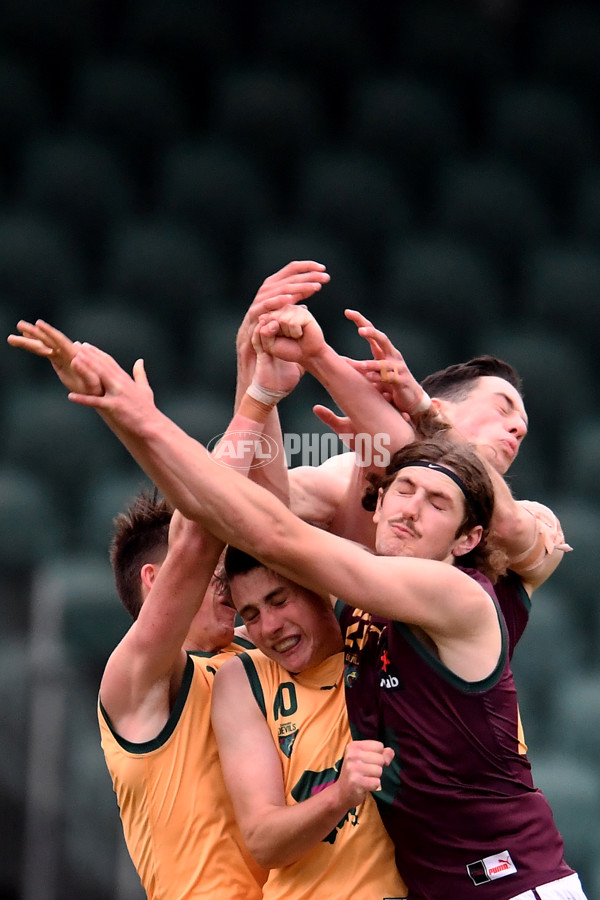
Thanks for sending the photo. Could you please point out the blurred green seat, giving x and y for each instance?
(557, 381)
(39, 264)
(32, 526)
(164, 268)
(271, 247)
(547, 130)
(572, 787)
(445, 283)
(491, 202)
(353, 195)
(107, 496)
(217, 188)
(77, 181)
(409, 121)
(561, 288)
(269, 113)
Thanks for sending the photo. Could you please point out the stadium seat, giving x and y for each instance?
(105, 497)
(271, 248)
(358, 198)
(458, 43)
(212, 359)
(136, 107)
(63, 443)
(93, 619)
(546, 130)
(328, 37)
(579, 474)
(180, 34)
(216, 188)
(412, 123)
(271, 114)
(582, 220)
(560, 288)
(32, 526)
(163, 268)
(79, 183)
(24, 102)
(553, 623)
(491, 202)
(39, 265)
(127, 333)
(445, 281)
(565, 45)
(202, 415)
(55, 33)
(576, 713)
(572, 787)
(556, 379)
(577, 575)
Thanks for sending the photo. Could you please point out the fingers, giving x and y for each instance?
(365, 761)
(341, 425)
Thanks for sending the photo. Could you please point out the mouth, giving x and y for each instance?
(402, 530)
(287, 644)
(511, 446)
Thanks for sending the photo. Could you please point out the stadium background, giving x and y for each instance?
(159, 158)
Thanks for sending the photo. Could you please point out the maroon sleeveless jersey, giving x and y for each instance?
(458, 800)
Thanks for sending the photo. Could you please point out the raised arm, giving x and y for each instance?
(277, 834)
(242, 513)
(293, 334)
(294, 283)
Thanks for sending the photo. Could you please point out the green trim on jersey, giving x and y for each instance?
(254, 680)
(523, 595)
(169, 728)
(469, 687)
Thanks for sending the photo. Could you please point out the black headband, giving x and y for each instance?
(450, 474)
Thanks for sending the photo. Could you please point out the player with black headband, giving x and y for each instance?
(427, 646)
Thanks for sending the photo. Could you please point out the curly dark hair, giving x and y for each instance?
(465, 463)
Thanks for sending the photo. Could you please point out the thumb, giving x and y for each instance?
(388, 755)
(340, 424)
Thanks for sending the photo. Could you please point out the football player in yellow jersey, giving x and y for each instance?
(300, 786)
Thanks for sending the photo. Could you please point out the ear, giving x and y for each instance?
(148, 575)
(467, 542)
(377, 513)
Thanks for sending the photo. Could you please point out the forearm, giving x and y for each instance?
(361, 402)
(282, 835)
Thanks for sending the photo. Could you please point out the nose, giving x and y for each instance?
(270, 621)
(518, 428)
(411, 504)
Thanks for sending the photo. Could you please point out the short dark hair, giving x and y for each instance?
(456, 382)
(237, 562)
(465, 463)
(140, 536)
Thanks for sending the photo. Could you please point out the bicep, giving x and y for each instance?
(316, 491)
(249, 759)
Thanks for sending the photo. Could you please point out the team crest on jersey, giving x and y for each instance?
(350, 675)
(388, 676)
(287, 736)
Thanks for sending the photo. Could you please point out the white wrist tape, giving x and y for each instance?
(423, 405)
(265, 395)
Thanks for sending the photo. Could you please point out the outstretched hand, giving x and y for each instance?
(128, 399)
(387, 370)
(44, 340)
(292, 284)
